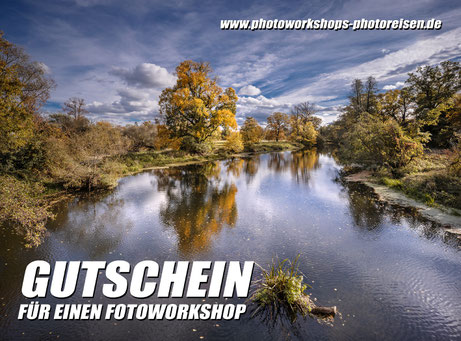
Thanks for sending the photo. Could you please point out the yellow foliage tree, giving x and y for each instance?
(234, 142)
(195, 107)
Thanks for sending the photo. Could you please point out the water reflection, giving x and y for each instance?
(366, 212)
(198, 205)
(97, 225)
(302, 164)
(299, 163)
(383, 266)
(251, 166)
(234, 166)
(371, 214)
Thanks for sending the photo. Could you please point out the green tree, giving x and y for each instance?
(431, 87)
(396, 104)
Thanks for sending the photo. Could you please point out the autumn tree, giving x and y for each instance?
(305, 112)
(195, 107)
(24, 88)
(87, 160)
(277, 125)
(251, 131)
(303, 124)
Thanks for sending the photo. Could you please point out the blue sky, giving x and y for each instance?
(118, 55)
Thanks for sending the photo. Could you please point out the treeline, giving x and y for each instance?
(403, 134)
(300, 126)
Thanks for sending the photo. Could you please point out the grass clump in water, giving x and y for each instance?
(281, 288)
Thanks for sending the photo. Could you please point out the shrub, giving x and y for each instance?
(22, 208)
(234, 142)
(393, 183)
(379, 143)
(190, 145)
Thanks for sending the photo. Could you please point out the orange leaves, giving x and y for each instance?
(196, 106)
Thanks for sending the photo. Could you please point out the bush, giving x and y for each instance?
(234, 142)
(392, 183)
(22, 208)
(379, 143)
(190, 145)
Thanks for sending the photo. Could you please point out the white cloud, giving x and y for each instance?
(393, 65)
(145, 75)
(132, 104)
(249, 90)
(393, 86)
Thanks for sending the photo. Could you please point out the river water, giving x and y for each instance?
(391, 274)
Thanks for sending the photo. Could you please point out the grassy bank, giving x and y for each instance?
(424, 180)
(136, 162)
(427, 180)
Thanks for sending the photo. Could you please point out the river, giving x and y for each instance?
(391, 274)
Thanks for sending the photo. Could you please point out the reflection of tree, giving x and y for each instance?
(278, 162)
(95, 226)
(303, 163)
(366, 212)
(251, 166)
(189, 178)
(370, 213)
(300, 163)
(234, 166)
(197, 205)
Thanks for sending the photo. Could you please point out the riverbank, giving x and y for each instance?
(141, 161)
(28, 203)
(136, 162)
(449, 217)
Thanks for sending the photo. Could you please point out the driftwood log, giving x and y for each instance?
(316, 310)
(327, 311)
